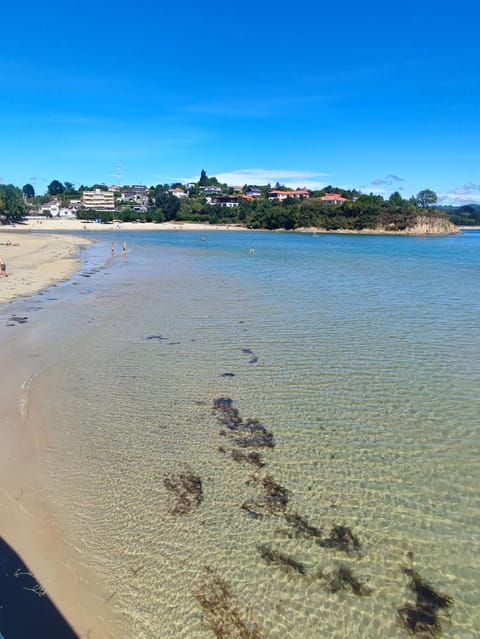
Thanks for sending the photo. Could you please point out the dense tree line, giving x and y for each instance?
(468, 215)
(12, 205)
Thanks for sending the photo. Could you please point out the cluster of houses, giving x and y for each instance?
(136, 198)
(252, 193)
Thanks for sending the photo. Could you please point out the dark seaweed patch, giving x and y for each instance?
(155, 337)
(301, 526)
(228, 375)
(247, 507)
(343, 578)
(275, 497)
(18, 320)
(248, 351)
(222, 616)
(280, 559)
(253, 458)
(187, 489)
(341, 538)
(254, 360)
(222, 403)
(250, 433)
(422, 617)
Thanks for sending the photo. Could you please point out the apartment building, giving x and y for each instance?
(98, 200)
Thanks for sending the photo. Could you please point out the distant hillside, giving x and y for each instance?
(467, 215)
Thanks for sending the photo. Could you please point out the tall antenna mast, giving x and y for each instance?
(119, 174)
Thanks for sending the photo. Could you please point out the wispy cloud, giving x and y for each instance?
(289, 177)
(467, 194)
(388, 180)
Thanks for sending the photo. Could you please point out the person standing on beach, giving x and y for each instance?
(3, 268)
(113, 248)
(124, 248)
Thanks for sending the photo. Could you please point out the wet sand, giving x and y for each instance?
(30, 525)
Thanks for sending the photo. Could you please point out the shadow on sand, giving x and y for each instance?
(26, 610)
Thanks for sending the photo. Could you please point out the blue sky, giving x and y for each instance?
(378, 96)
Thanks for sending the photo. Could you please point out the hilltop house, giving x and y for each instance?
(333, 198)
(178, 192)
(282, 195)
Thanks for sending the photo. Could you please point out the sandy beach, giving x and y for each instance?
(35, 261)
(30, 527)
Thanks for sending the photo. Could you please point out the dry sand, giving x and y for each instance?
(35, 261)
(60, 224)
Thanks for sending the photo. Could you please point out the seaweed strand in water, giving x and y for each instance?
(280, 559)
(341, 538)
(301, 526)
(422, 617)
(222, 616)
(248, 433)
(188, 491)
(343, 578)
(275, 497)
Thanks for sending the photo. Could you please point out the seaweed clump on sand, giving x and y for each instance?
(253, 458)
(280, 559)
(187, 489)
(422, 617)
(301, 526)
(343, 578)
(247, 433)
(275, 497)
(341, 538)
(221, 614)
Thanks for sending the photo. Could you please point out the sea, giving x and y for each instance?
(268, 434)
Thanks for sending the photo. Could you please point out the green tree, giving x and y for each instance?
(396, 199)
(12, 206)
(203, 181)
(425, 198)
(28, 191)
(55, 188)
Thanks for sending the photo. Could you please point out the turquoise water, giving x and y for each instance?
(360, 354)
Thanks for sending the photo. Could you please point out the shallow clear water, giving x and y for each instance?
(367, 372)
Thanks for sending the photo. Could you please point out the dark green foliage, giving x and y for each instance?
(222, 616)
(167, 203)
(468, 215)
(55, 188)
(422, 617)
(187, 489)
(12, 206)
(425, 198)
(28, 191)
(280, 559)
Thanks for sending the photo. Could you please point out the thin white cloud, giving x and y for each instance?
(288, 177)
(467, 194)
